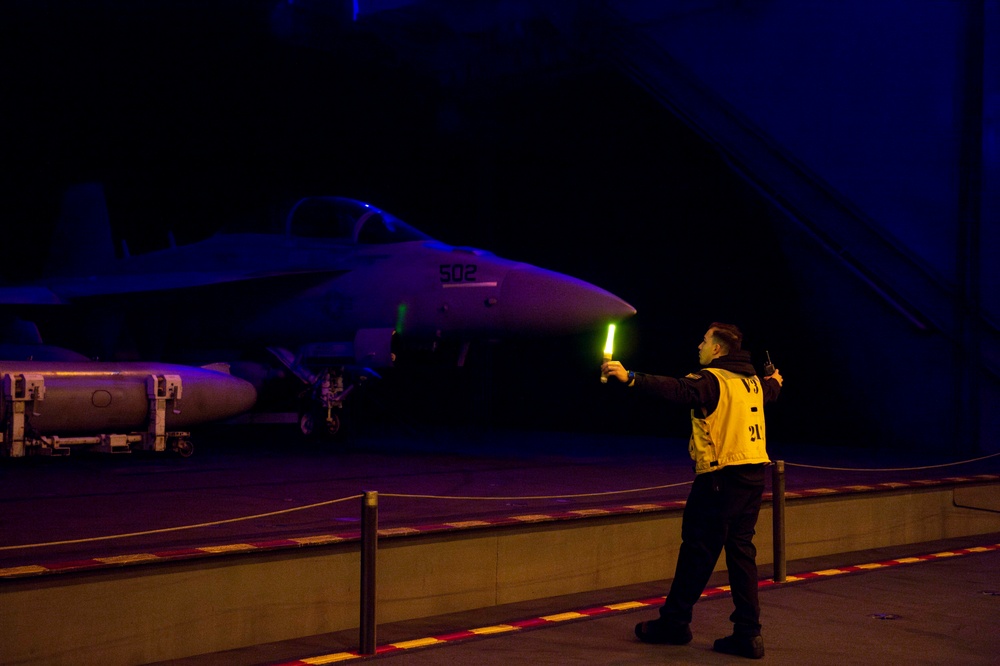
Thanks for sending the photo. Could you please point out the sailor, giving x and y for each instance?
(728, 447)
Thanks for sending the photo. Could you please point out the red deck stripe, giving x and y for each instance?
(650, 602)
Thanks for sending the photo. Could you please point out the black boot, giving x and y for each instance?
(658, 631)
(751, 647)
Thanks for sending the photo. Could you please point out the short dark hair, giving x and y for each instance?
(729, 337)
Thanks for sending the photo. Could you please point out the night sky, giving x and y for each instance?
(197, 118)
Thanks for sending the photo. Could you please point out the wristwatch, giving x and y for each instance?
(631, 378)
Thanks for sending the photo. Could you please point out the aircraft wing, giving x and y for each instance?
(61, 292)
(28, 296)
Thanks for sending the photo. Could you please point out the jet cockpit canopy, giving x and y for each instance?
(339, 217)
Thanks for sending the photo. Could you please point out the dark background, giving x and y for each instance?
(198, 116)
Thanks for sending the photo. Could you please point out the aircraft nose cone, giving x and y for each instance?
(535, 300)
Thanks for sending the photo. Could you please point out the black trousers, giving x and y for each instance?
(721, 513)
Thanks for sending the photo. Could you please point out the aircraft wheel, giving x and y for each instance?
(331, 426)
(307, 424)
(183, 447)
(312, 424)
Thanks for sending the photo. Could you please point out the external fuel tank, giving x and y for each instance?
(41, 399)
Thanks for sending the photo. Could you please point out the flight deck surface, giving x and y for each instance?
(265, 484)
(925, 603)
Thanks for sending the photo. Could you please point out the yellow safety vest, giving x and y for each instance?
(734, 433)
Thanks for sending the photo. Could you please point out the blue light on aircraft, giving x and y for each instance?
(354, 8)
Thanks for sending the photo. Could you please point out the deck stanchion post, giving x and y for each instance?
(778, 519)
(369, 550)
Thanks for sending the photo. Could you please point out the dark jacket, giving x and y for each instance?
(701, 389)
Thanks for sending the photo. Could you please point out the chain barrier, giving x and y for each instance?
(892, 469)
(469, 498)
(536, 497)
(214, 523)
(165, 530)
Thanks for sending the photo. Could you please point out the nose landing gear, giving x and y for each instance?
(319, 423)
(319, 416)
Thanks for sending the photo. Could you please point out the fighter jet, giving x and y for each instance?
(332, 297)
